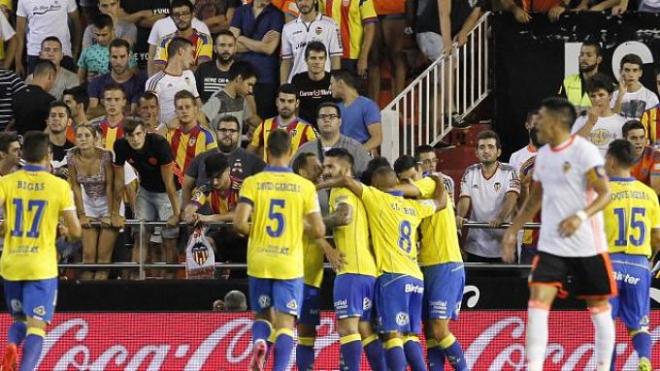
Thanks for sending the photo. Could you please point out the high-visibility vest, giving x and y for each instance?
(575, 93)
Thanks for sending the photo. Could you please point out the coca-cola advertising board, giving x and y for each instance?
(492, 340)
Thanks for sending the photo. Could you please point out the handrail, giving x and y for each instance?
(446, 92)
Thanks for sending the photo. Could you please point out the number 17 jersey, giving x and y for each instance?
(33, 201)
(280, 201)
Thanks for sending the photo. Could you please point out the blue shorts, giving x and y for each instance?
(353, 296)
(633, 279)
(443, 291)
(399, 303)
(34, 299)
(283, 295)
(311, 306)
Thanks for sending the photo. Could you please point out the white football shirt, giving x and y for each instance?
(521, 156)
(606, 130)
(562, 174)
(166, 86)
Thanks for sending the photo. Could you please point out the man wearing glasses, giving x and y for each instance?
(427, 161)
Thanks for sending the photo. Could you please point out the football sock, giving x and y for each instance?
(436, 355)
(604, 336)
(351, 351)
(642, 344)
(537, 335)
(454, 353)
(17, 332)
(261, 330)
(396, 359)
(414, 353)
(283, 348)
(373, 347)
(305, 354)
(32, 348)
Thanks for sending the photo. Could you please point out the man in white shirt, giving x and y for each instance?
(43, 18)
(491, 190)
(632, 98)
(521, 156)
(309, 26)
(570, 183)
(175, 77)
(601, 125)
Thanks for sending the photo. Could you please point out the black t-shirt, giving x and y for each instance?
(312, 94)
(146, 161)
(243, 164)
(210, 79)
(427, 20)
(158, 7)
(31, 107)
(59, 152)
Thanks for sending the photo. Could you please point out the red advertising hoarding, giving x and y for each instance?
(492, 340)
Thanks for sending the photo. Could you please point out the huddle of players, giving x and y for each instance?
(375, 256)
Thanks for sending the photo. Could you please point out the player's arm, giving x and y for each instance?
(343, 181)
(597, 180)
(242, 216)
(509, 204)
(440, 193)
(343, 215)
(167, 174)
(530, 208)
(314, 226)
(70, 227)
(334, 256)
(655, 242)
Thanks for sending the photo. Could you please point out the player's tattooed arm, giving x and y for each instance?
(342, 181)
(342, 216)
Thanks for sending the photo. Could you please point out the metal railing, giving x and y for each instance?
(141, 266)
(447, 91)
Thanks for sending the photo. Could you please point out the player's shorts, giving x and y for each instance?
(310, 313)
(155, 207)
(590, 276)
(633, 279)
(36, 299)
(443, 291)
(353, 296)
(399, 303)
(283, 295)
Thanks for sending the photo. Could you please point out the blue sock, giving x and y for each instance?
(351, 352)
(436, 356)
(32, 351)
(261, 330)
(283, 348)
(454, 353)
(17, 332)
(305, 354)
(414, 353)
(373, 347)
(396, 358)
(642, 344)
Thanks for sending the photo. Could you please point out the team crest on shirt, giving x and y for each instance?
(402, 319)
(152, 161)
(293, 132)
(318, 30)
(566, 167)
(497, 186)
(264, 301)
(192, 141)
(599, 137)
(293, 304)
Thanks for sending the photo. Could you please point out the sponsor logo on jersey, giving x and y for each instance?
(566, 167)
(497, 186)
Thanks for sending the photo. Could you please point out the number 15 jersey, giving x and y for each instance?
(280, 201)
(33, 200)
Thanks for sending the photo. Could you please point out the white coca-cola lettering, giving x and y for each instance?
(202, 353)
(472, 300)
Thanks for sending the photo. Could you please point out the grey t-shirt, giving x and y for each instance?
(360, 156)
(123, 30)
(65, 79)
(221, 104)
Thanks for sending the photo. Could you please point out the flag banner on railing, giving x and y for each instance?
(492, 340)
(532, 60)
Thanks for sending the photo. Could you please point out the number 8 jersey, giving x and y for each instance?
(33, 200)
(280, 200)
(630, 216)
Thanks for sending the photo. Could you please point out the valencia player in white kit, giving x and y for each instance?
(571, 186)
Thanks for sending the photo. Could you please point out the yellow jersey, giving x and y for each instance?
(630, 216)
(280, 200)
(33, 200)
(313, 262)
(439, 235)
(353, 239)
(351, 16)
(393, 223)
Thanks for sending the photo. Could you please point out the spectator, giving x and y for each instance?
(409, 170)
(651, 118)
(157, 195)
(632, 98)
(521, 8)
(314, 85)
(388, 44)
(10, 85)
(521, 156)
(231, 100)
(309, 26)
(95, 60)
(257, 28)
(175, 77)
(167, 26)
(361, 115)
(574, 86)
(43, 18)
(149, 113)
(427, 161)
(213, 75)
(91, 179)
(112, 124)
(77, 101)
(8, 53)
(189, 139)
(31, 104)
(357, 20)
(648, 158)
(144, 14)
(216, 14)
(120, 73)
(329, 121)
(10, 153)
(124, 30)
(300, 131)
(214, 193)
(182, 14)
(601, 125)
(490, 189)
(51, 49)
(235, 301)
(218, 306)
(59, 119)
